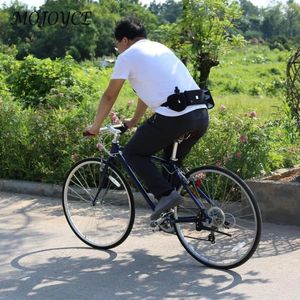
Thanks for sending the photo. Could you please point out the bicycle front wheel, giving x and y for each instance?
(101, 216)
(229, 237)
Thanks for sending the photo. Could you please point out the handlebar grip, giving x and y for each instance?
(122, 127)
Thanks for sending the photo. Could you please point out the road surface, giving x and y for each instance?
(41, 258)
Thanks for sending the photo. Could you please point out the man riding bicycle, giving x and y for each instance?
(163, 83)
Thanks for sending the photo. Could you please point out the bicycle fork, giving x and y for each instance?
(102, 176)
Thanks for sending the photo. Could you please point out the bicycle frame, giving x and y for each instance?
(116, 153)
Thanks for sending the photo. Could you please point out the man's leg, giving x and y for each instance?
(155, 134)
(150, 137)
(186, 145)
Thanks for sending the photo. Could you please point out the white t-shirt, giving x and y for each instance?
(154, 71)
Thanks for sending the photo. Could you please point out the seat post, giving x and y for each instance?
(174, 151)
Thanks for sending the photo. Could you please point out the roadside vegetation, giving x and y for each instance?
(41, 125)
(52, 76)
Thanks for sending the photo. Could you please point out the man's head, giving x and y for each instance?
(127, 32)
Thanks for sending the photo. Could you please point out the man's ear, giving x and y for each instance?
(125, 39)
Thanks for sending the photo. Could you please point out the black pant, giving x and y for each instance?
(157, 133)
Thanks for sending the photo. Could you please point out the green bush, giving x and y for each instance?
(7, 65)
(48, 83)
(255, 90)
(40, 145)
(276, 87)
(236, 142)
(13, 129)
(246, 145)
(233, 87)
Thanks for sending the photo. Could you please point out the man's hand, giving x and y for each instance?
(91, 131)
(130, 122)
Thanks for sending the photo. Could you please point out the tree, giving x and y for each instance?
(273, 21)
(248, 8)
(82, 41)
(293, 21)
(132, 9)
(56, 40)
(104, 15)
(293, 86)
(251, 21)
(15, 34)
(205, 26)
(167, 12)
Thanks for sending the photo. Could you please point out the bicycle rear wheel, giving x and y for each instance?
(235, 219)
(101, 218)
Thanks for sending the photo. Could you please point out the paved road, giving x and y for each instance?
(40, 258)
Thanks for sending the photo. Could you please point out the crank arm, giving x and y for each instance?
(195, 238)
(214, 230)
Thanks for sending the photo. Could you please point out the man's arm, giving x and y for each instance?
(139, 112)
(106, 103)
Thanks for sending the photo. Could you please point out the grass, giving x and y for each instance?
(266, 107)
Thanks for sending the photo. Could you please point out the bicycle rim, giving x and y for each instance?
(233, 211)
(107, 221)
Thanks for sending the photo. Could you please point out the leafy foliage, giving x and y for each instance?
(168, 12)
(48, 83)
(39, 143)
(80, 41)
(202, 34)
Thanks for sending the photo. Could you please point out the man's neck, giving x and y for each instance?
(136, 40)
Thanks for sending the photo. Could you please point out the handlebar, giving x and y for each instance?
(114, 129)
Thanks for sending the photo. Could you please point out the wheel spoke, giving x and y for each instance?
(79, 196)
(84, 188)
(232, 202)
(107, 223)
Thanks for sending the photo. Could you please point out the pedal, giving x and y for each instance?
(157, 222)
(158, 225)
(154, 226)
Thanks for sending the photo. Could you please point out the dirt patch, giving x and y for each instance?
(292, 175)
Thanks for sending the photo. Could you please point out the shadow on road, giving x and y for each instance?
(85, 273)
(275, 239)
(278, 240)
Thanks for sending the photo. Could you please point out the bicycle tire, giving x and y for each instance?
(224, 252)
(107, 223)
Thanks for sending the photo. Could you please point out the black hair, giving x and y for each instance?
(129, 28)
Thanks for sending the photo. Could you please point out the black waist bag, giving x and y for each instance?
(179, 101)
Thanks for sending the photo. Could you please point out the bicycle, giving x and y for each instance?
(219, 222)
